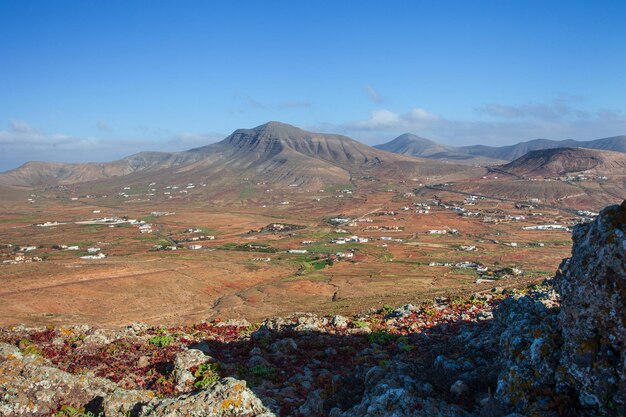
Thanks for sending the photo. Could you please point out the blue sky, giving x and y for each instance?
(93, 81)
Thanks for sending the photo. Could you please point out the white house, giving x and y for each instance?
(300, 251)
(98, 256)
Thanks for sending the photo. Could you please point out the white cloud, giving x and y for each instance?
(187, 140)
(104, 126)
(504, 124)
(372, 94)
(386, 120)
(248, 103)
(21, 143)
(560, 108)
(18, 126)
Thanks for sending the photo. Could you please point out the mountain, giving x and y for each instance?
(408, 144)
(566, 161)
(46, 173)
(274, 152)
(412, 145)
(511, 152)
(279, 153)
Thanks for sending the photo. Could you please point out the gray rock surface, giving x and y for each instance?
(592, 284)
(184, 362)
(529, 342)
(31, 386)
(227, 397)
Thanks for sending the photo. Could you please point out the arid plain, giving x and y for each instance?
(248, 271)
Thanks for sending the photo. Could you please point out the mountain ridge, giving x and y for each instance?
(275, 152)
(413, 145)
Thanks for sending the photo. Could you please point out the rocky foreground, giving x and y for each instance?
(558, 349)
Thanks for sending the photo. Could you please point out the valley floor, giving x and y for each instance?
(387, 251)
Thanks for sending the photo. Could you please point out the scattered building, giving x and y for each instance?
(298, 251)
(548, 227)
(100, 255)
(49, 224)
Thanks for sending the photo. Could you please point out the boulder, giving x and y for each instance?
(227, 397)
(592, 284)
(184, 362)
(31, 386)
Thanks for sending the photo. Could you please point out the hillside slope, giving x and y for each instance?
(51, 173)
(564, 161)
(274, 152)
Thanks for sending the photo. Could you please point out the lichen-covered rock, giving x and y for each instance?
(339, 321)
(97, 338)
(314, 405)
(391, 391)
(228, 397)
(528, 352)
(310, 323)
(284, 346)
(184, 362)
(402, 312)
(31, 386)
(234, 323)
(121, 402)
(592, 284)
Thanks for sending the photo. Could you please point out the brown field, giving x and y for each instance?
(137, 283)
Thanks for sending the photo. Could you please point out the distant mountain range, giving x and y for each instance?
(274, 152)
(281, 154)
(413, 145)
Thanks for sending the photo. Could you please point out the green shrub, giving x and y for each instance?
(28, 347)
(206, 375)
(386, 308)
(261, 371)
(69, 411)
(428, 311)
(381, 337)
(161, 341)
